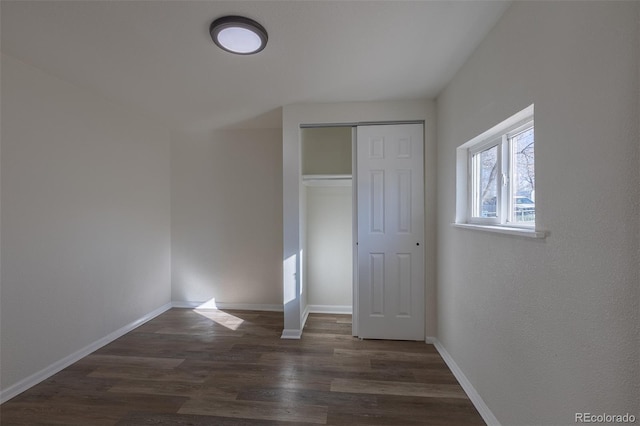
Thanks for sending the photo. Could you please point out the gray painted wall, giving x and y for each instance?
(226, 217)
(85, 219)
(545, 329)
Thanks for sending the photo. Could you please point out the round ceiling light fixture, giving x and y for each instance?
(239, 35)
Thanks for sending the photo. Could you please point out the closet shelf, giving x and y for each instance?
(326, 180)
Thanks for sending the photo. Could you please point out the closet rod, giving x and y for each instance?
(326, 177)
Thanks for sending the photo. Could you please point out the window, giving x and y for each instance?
(496, 176)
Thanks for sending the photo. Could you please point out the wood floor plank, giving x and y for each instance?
(207, 367)
(330, 337)
(434, 375)
(146, 419)
(20, 413)
(110, 372)
(389, 355)
(98, 360)
(357, 373)
(317, 360)
(191, 390)
(257, 410)
(114, 401)
(208, 331)
(450, 411)
(274, 378)
(85, 409)
(299, 349)
(66, 381)
(345, 416)
(339, 415)
(397, 388)
(426, 362)
(310, 397)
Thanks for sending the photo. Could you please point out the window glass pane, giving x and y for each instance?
(523, 178)
(486, 183)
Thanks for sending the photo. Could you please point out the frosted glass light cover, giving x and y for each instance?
(239, 35)
(239, 40)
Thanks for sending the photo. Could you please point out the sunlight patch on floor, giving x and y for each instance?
(210, 311)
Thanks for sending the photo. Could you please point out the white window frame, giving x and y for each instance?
(500, 136)
(507, 173)
(472, 151)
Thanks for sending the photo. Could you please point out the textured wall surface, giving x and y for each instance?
(547, 328)
(326, 150)
(85, 219)
(226, 217)
(328, 254)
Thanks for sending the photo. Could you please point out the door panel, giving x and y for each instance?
(390, 190)
(377, 278)
(377, 208)
(403, 261)
(404, 201)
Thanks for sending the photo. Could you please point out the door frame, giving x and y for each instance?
(355, 298)
(332, 113)
(354, 198)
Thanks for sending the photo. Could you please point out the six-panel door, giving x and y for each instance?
(390, 188)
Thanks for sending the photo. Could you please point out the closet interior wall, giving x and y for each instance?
(327, 217)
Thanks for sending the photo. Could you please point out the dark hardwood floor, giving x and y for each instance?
(189, 367)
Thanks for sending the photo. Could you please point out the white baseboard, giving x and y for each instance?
(305, 316)
(45, 373)
(330, 309)
(473, 395)
(212, 304)
(291, 334)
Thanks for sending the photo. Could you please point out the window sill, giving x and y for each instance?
(519, 232)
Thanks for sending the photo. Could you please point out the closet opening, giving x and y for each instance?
(328, 220)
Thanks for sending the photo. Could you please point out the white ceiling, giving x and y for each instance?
(157, 56)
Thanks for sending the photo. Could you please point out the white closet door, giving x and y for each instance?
(390, 179)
